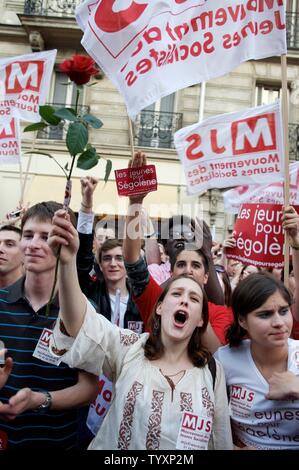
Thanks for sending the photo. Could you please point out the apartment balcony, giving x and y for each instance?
(294, 141)
(156, 129)
(292, 22)
(62, 8)
(58, 132)
(51, 24)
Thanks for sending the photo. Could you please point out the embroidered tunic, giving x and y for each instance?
(145, 413)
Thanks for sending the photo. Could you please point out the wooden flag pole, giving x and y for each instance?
(285, 118)
(131, 137)
(23, 183)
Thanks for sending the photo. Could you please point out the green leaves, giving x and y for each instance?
(88, 159)
(35, 127)
(93, 121)
(76, 138)
(48, 114)
(108, 170)
(67, 114)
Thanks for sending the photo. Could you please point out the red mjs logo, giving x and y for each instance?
(8, 129)
(255, 134)
(46, 335)
(196, 423)
(21, 76)
(240, 393)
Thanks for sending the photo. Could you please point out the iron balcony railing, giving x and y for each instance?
(294, 141)
(156, 129)
(61, 8)
(58, 132)
(292, 22)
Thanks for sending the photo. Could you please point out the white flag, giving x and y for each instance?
(10, 143)
(262, 194)
(24, 84)
(232, 149)
(149, 49)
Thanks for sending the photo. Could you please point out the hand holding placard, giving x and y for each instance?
(137, 180)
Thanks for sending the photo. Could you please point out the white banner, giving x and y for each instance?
(24, 84)
(10, 142)
(263, 194)
(232, 149)
(150, 49)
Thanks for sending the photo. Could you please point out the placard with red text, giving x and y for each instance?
(233, 149)
(259, 235)
(133, 181)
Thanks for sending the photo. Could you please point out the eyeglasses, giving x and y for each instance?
(219, 268)
(108, 259)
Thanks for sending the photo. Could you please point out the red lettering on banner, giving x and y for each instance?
(254, 134)
(214, 144)
(8, 130)
(195, 141)
(110, 22)
(21, 76)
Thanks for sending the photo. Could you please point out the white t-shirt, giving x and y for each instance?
(145, 413)
(118, 311)
(256, 421)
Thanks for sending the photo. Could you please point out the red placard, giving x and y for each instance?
(259, 235)
(133, 181)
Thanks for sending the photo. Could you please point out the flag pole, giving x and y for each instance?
(131, 137)
(23, 186)
(285, 118)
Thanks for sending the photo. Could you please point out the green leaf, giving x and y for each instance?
(108, 170)
(76, 138)
(67, 114)
(87, 159)
(93, 121)
(48, 114)
(35, 127)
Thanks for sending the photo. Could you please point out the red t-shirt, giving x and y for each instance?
(220, 316)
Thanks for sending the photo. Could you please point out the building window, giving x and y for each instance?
(266, 94)
(157, 123)
(63, 94)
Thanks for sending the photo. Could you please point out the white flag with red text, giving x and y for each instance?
(233, 149)
(262, 194)
(24, 85)
(10, 142)
(149, 49)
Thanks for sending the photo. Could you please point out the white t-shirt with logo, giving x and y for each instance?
(256, 421)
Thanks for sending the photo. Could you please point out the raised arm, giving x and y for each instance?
(290, 223)
(133, 232)
(71, 299)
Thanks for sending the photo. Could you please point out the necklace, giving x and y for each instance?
(171, 382)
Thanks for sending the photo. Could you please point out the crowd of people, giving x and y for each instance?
(149, 343)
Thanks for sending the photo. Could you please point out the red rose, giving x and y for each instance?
(79, 69)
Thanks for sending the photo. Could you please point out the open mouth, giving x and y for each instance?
(180, 317)
(180, 244)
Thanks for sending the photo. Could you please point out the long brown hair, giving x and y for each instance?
(154, 347)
